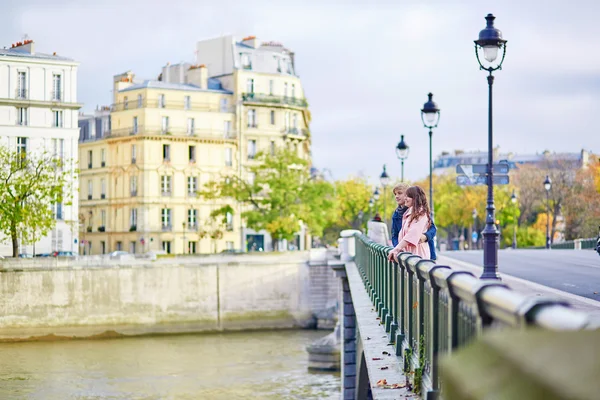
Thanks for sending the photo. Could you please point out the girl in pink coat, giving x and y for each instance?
(415, 222)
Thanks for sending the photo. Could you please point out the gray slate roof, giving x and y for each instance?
(213, 86)
(24, 54)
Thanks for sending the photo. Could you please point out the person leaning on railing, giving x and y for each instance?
(429, 236)
(598, 241)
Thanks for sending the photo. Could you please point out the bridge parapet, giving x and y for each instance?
(430, 310)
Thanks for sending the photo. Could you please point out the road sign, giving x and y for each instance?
(474, 169)
(474, 237)
(481, 179)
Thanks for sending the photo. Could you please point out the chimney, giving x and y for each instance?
(251, 41)
(198, 75)
(167, 73)
(121, 82)
(26, 46)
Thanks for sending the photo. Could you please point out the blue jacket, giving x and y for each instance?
(397, 226)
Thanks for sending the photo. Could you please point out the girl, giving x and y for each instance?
(415, 222)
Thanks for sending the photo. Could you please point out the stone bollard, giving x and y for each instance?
(348, 250)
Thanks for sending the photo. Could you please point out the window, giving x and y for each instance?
(103, 157)
(133, 185)
(59, 211)
(56, 87)
(252, 118)
(102, 188)
(190, 126)
(272, 117)
(192, 247)
(140, 102)
(250, 85)
(133, 219)
(61, 149)
(125, 103)
(287, 120)
(22, 147)
(166, 152)
(227, 128)
(90, 154)
(278, 64)
(192, 153)
(103, 217)
(192, 218)
(165, 185)
(285, 87)
(165, 124)
(271, 86)
(246, 63)
(229, 221)
(224, 105)
(161, 101)
(134, 153)
(251, 149)
(135, 124)
(293, 91)
(229, 245)
(119, 245)
(22, 85)
(272, 147)
(166, 245)
(166, 218)
(228, 157)
(251, 178)
(57, 119)
(187, 102)
(288, 64)
(192, 184)
(132, 247)
(295, 121)
(103, 247)
(22, 116)
(90, 189)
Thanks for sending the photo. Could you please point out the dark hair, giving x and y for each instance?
(420, 206)
(377, 217)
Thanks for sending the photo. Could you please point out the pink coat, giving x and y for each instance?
(412, 234)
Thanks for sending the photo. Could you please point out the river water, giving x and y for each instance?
(240, 365)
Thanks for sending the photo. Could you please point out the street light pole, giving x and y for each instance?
(475, 227)
(376, 198)
(513, 198)
(402, 153)
(430, 115)
(385, 180)
(490, 42)
(548, 187)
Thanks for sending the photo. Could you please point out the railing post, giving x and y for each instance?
(453, 315)
(434, 325)
(395, 315)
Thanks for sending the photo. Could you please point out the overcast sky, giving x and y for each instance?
(366, 66)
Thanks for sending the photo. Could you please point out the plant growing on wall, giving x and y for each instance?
(30, 186)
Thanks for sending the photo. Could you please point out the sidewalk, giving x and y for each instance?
(523, 286)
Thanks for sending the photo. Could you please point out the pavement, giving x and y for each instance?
(571, 275)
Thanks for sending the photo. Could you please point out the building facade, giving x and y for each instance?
(38, 113)
(168, 137)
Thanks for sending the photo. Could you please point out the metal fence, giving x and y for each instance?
(429, 310)
(577, 244)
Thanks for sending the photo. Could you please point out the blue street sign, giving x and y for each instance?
(475, 169)
(474, 237)
(464, 180)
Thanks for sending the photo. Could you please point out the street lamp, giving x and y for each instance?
(548, 187)
(385, 180)
(490, 42)
(376, 197)
(474, 227)
(402, 153)
(513, 199)
(430, 115)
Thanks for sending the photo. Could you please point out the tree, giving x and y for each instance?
(278, 195)
(30, 186)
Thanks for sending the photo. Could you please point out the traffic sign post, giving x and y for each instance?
(476, 174)
(474, 169)
(464, 180)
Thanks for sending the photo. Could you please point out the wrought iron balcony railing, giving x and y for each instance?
(271, 99)
(21, 93)
(174, 131)
(172, 105)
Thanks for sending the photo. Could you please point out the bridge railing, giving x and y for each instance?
(577, 244)
(429, 310)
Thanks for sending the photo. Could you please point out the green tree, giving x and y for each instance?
(279, 195)
(30, 186)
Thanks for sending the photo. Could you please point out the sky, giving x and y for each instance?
(366, 66)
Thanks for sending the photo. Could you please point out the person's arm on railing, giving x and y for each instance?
(430, 234)
(412, 236)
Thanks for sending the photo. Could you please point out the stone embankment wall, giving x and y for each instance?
(165, 296)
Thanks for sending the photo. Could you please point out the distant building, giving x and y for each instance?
(447, 162)
(95, 126)
(38, 112)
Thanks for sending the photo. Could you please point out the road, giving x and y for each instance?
(573, 271)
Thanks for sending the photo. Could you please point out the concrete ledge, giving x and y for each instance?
(378, 353)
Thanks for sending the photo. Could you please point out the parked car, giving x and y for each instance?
(120, 255)
(64, 254)
(25, 255)
(43, 255)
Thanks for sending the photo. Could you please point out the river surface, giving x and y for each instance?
(240, 365)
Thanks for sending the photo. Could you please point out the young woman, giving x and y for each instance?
(415, 222)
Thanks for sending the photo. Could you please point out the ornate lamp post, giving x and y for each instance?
(430, 115)
(385, 181)
(402, 153)
(513, 199)
(548, 187)
(490, 42)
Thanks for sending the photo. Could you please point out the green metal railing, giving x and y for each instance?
(429, 310)
(588, 243)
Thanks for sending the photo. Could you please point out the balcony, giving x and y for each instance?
(166, 193)
(167, 228)
(297, 133)
(22, 97)
(178, 132)
(21, 94)
(103, 196)
(56, 95)
(273, 100)
(192, 194)
(89, 165)
(133, 192)
(103, 164)
(101, 229)
(229, 227)
(89, 196)
(133, 160)
(133, 228)
(171, 105)
(192, 226)
(89, 229)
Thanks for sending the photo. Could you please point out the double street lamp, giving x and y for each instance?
(548, 187)
(402, 153)
(490, 43)
(385, 181)
(513, 199)
(430, 115)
